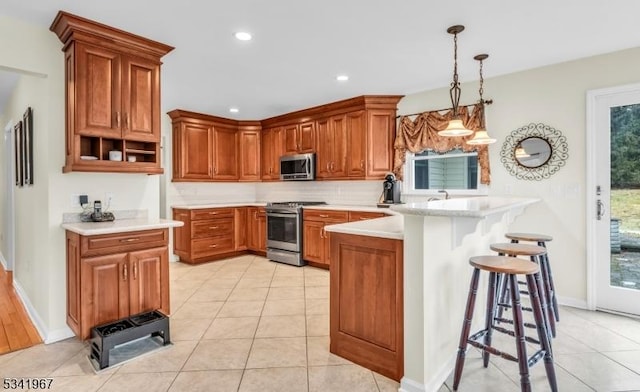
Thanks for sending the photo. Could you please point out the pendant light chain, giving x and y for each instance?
(481, 83)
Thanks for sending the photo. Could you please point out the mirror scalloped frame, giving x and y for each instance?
(541, 166)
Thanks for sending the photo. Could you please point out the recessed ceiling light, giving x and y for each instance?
(242, 36)
(234, 110)
(342, 78)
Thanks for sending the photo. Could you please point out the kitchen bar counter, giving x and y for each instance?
(119, 226)
(439, 238)
(388, 227)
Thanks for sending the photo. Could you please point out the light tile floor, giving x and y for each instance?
(248, 324)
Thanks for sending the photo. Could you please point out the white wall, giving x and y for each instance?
(40, 251)
(553, 95)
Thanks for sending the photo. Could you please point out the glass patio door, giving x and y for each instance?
(617, 199)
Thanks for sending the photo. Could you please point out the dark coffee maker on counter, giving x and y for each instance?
(390, 190)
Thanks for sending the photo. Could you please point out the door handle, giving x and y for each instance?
(118, 120)
(126, 121)
(124, 272)
(135, 271)
(599, 209)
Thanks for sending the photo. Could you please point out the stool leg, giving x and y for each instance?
(550, 321)
(542, 334)
(466, 328)
(491, 313)
(518, 326)
(551, 287)
(503, 295)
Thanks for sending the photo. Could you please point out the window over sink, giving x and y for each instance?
(456, 170)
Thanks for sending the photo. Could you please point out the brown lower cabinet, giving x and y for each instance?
(113, 276)
(366, 302)
(316, 239)
(215, 233)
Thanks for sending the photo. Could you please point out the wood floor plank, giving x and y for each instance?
(16, 329)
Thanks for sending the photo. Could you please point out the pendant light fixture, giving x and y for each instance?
(481, 136)
(455, 126)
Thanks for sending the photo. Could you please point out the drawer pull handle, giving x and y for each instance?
(213, 227)
(130, 239)
(213, 246)
(324, 216)
(213, 213)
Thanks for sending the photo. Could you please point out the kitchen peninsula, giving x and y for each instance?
(438, 239)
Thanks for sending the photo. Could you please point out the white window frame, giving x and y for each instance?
(409, 175)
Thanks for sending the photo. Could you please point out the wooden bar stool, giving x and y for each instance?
(541, 240)
(509, 268)
(536, 254)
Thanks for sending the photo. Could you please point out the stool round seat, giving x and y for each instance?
(504, 265)
(518, 249)
(533, 237)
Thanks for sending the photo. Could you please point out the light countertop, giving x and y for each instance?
(119, 226)
(474, 207)
(388, 227)
(342, 207)
(219, 205)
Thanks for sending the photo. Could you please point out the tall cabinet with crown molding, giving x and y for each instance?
(112, 97)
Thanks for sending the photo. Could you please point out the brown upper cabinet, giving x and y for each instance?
(205, 148)
(113, 97)
(272, 147)
(299, 138)
(249, 144)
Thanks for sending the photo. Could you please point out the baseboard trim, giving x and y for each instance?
(46, 335)
(3, 261)
(408, 385)
(573, 302)
(441, 376)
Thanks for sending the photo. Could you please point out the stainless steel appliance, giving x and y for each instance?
(300, 167)
(284, 231)
(390, 190)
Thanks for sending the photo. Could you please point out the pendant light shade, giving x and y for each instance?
(455, 126)
(481, 136)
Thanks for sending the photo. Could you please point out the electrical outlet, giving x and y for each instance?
(74, 200)
(83, 199)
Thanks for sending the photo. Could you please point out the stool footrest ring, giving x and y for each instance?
(511, 333)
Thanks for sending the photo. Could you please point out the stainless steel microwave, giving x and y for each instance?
(301, 167)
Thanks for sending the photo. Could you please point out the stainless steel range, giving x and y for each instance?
(284, 231)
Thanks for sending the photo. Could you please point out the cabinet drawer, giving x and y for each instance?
(364, 215)
(122, 242)
(209, 213)
(211, 246)
(211, 228)
(326, 215)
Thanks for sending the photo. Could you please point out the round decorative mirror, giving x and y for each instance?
(534, 152)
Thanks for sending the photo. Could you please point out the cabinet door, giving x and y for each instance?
(98, 97)
(338, 131)
(241, 238)
(140, 99)
(225, 156)
(324, 151)
(105, 290)
(196, 151)
(253, 242)
(290, 139)
(149, 280)
(306, 137)
(267, 149)
(356, 150)
(182, 234)
(249, 161)
(313, 245)
(380, 134)
(262, 230)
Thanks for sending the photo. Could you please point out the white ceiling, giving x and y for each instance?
(386, 47)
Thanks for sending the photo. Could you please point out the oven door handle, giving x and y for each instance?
(281, 215)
